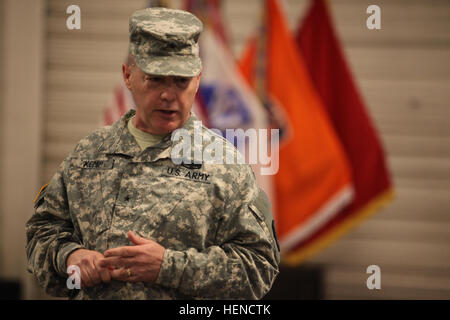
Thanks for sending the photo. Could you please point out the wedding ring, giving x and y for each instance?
(129, 272)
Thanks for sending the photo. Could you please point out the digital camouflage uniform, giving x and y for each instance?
(166, 35)
(213, 220)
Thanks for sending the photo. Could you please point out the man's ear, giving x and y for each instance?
(126, 72)
(198, 80)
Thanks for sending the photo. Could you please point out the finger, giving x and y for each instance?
(105, 276)
(109, 263)
(115, 262)
(136, 239)
(102, 272)
(123, 275)
(119, 274)
(121, 251)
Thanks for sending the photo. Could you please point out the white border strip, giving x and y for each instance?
(325, 213)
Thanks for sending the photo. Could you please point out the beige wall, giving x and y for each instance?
(404, 76)
(22, 88)
(1, 117)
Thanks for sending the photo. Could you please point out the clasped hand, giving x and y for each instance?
(137, 263)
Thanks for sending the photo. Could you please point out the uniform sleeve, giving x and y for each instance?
(51, 237)
(243, 264)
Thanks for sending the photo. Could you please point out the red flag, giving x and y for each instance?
(313, 182)
(120, 103)
(333, 80)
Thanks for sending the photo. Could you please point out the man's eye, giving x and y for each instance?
(183, 81)
(153, 79)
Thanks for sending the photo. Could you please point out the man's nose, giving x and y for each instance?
(168, 92)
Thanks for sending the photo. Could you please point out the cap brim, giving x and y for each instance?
(183, 66)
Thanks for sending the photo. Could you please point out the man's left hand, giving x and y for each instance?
(134, 263)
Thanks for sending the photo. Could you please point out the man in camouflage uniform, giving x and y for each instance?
(138, 225)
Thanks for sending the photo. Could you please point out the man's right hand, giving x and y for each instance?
(91, 272)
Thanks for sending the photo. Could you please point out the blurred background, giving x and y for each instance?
(55, 84)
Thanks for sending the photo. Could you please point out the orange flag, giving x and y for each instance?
(313, 182)
(329, 70)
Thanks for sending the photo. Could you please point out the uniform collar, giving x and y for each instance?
(123, 143)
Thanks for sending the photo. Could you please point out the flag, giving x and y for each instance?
(314, 181)
(208, 11)
(334, 82)
(120, 102)
(224, 99)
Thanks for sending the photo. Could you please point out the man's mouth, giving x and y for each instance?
(167, 112)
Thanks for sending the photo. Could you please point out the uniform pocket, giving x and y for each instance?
(86, 194)
(144, 205)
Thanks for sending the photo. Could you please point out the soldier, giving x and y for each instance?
(135, 223)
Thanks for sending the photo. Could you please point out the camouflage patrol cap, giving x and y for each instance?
(165, 42)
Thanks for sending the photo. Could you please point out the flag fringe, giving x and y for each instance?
(296, 257)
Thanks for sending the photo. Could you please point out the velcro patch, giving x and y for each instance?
(93, 163)
(261, 207)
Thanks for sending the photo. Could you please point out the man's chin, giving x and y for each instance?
(167, 128)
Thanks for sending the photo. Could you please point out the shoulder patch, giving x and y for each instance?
(40, 195)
